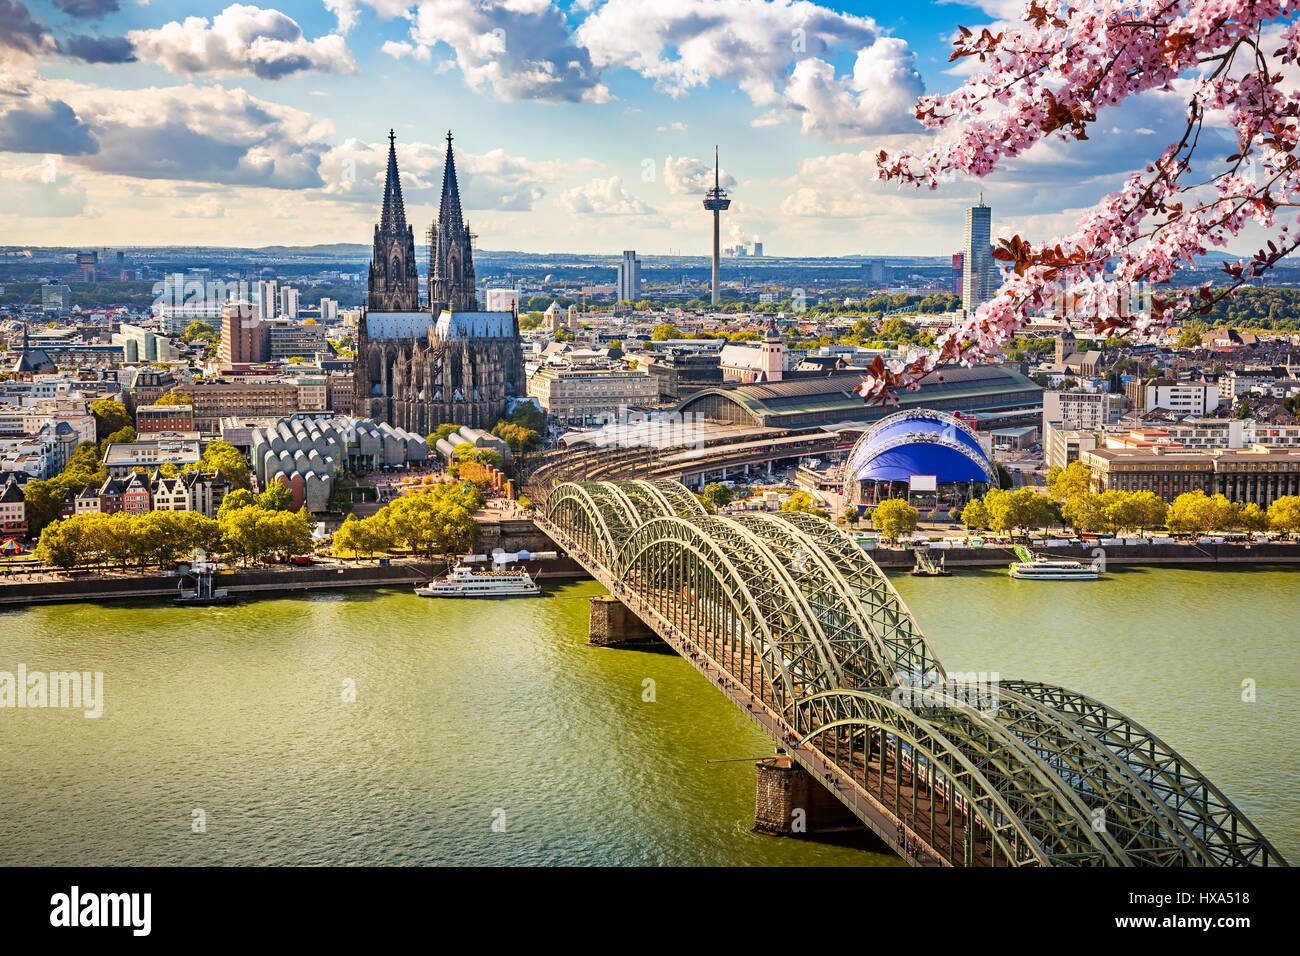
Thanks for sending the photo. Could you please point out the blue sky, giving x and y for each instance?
(585, 126)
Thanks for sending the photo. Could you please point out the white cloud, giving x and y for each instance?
(204, 207)
(493, 180)
(779, 52)
(878, 97)
(603, 197)
(399, 50)
(347, 12)
(513, 49)
(686, 175)
(41, 190)
(242, 39)
(198, 133)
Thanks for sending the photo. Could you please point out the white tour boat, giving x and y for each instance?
(1031, 567)
(465, 582)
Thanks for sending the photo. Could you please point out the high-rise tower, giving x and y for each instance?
(979, 276)
(394, 280)
(451, 250)
(715, 200)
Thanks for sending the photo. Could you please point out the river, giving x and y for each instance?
(489, 733)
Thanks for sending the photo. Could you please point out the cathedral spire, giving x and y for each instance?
(393, 214)
(449, 214)
(394, 283)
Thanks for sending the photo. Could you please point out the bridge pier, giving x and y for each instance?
(611, 624)
(789, 802)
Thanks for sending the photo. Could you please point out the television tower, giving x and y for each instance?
(715, 200)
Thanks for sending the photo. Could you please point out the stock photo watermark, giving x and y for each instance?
(53, 690)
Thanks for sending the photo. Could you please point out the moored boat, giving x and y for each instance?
(465, 582)
(1032, 567)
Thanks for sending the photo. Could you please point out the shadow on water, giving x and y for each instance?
(855, 838)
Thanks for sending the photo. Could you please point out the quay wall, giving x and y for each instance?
(1116, 555)
(102, 587)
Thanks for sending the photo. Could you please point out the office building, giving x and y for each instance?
(582, 392)
(979, 276)
(120, 458)
(245, 339)
(1179, 398)
(1088, 411)
(629, 277)
(163, 419)
(141, 345)
(294, 340)
(1257, 474)
(56, 298)
(268, 299)
(288, 302)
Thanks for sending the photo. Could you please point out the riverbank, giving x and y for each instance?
(54, 588)
(1152, 555)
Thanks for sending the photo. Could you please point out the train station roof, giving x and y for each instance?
(825, 401)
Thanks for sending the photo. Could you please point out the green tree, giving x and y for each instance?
(1005, 481)
(123, 436)
(665, 331)
(276, 497)
(1284, 514)
(716, 495)
(975, 515)
(437, 521)
(84, 460)
(171, 398)
(226, 458)
(851, 515)
(802, 501)
(895, 517)
(240, 534)
(199, 331)
(1196, 513)
(520, 438)
(43, 501)
(347, 538)
(234, 500)
(1074, 479)
(56, 548)
(441, 432)
(110, 416)
(1021, 509)
(1251, 517)
(1138, 510)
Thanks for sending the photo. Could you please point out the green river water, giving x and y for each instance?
(474, 713)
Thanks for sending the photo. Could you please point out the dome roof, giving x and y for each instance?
(919, 442)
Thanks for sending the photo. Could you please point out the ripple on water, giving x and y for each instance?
(470, 712)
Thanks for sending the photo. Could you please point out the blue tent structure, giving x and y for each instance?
(918, 442)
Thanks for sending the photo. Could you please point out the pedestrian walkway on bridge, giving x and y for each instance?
(794, 622)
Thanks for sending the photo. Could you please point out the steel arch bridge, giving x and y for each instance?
(791, 618)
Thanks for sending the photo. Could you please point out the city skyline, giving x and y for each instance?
(123, 123)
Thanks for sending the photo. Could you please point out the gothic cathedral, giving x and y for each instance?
(418, 368)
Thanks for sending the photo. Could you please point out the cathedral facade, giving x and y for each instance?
(421, 365)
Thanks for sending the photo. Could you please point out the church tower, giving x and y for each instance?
(773, 354)
(451, 253)
(1065, 346)
(394, 281)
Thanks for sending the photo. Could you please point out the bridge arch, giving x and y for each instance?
(792, 609)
